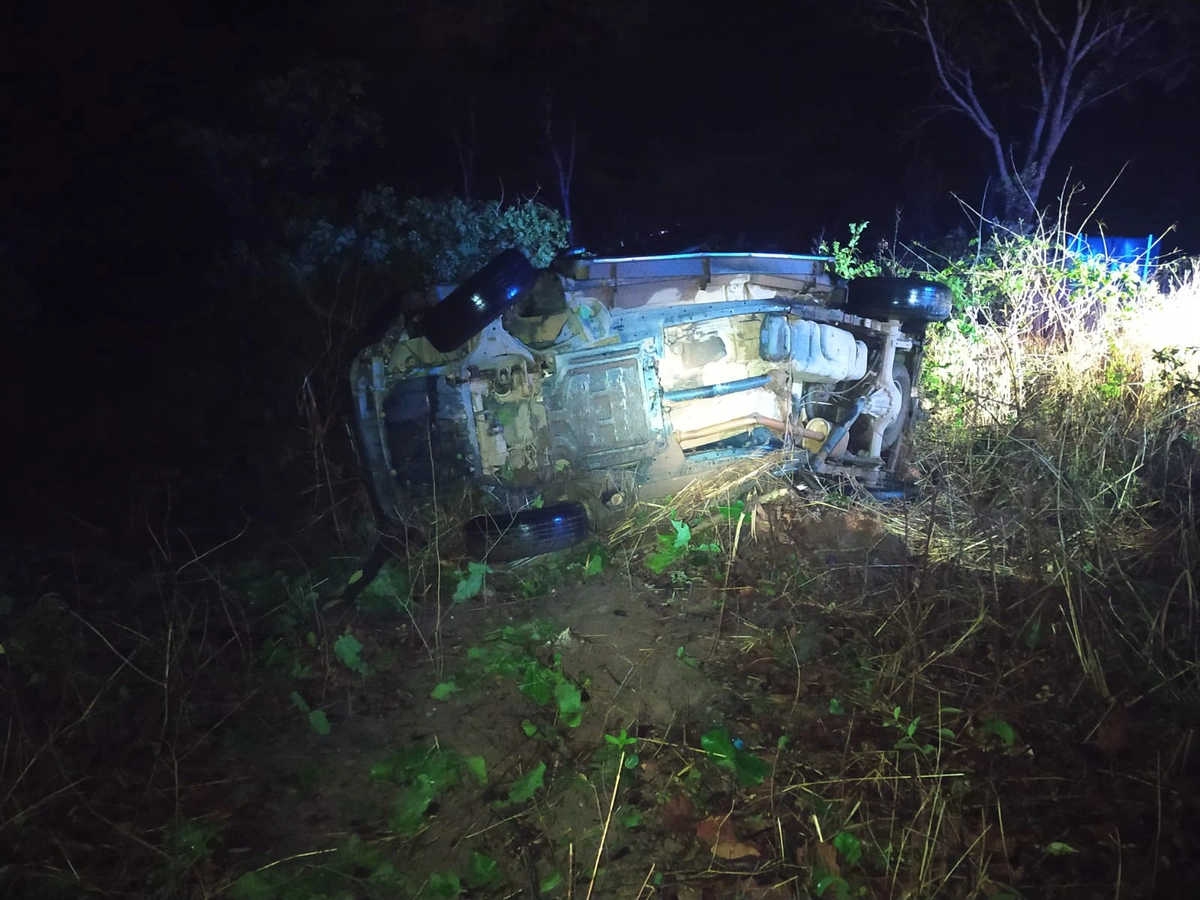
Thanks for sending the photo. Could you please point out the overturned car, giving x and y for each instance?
(602, 380)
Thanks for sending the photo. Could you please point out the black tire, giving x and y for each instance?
(478, 301)
(892, 490)
(906, 299)
(530, 532)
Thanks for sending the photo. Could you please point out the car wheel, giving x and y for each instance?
(907, 299)
(527, 533)
(903, 381)
(478, 301)
(860, 432)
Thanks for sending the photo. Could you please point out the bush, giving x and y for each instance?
(424, 241)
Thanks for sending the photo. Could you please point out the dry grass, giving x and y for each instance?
(1060, 449)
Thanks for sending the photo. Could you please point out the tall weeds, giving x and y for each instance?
(1062, 419)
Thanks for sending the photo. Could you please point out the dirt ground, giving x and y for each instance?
(827, 714)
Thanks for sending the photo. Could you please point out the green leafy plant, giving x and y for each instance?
(284, 660)
(477, 767)
(849, 846)
(186, 844)
(525, 787)
(1032, 633)
(444, 690)
(317, 720)
(944, 731)
(671, 548)
(594, 565)
(389, 593)
(826, 881)
(686, 658)
(443, 240)
(354, 861)
(720, 747)
(445, 884)
(1000, 729)
(847, 258)
(470, 583)
(733, 511)
(908, 732)
(482, 871)
(624, 743)
(823, 880)
(423, 774)
(546, 685)
(348, 650)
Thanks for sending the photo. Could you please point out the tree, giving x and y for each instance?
(1053, 58)
(466, 143)
(564, 162)
(300, 129)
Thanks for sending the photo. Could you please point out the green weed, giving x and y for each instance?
(507, 655)
(185, 845)
(908, 732)
(317, 720)
(388, 594)
(354, 871)
(671, 548)
(469, 583)
(444, 690)
(1001, 730)
(525, 787)
(847, 258)
(348, 649)
(424, 774)
(686, 658)
(624, 743)
(720, 747)
(280, 661)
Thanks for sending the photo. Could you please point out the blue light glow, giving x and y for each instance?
(798, 256)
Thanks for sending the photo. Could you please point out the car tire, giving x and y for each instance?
(531, 532)
(478, 301)
(892, 490)
(906, 299)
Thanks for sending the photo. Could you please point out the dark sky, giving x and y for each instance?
(762, 125)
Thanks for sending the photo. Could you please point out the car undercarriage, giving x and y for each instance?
(609, 379)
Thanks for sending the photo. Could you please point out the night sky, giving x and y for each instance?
(762, 125)
(758, 128)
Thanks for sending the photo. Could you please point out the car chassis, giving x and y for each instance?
(606, 379)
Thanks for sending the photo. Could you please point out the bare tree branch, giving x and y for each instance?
(466, 147)
(564, 163)
(1045, 20)
(1089, 52)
